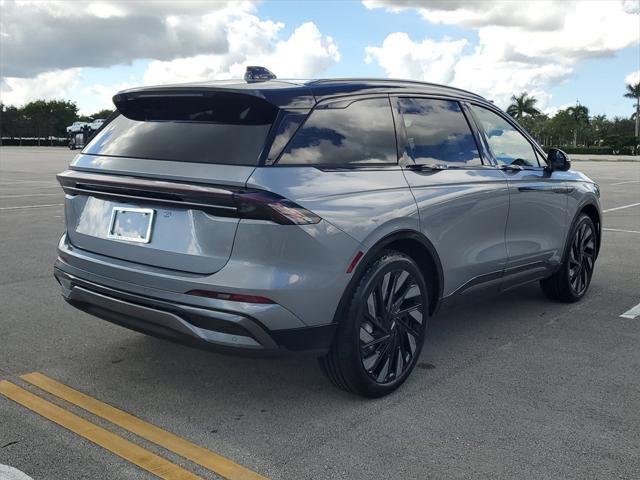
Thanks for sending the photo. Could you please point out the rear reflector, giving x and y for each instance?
(354, 262)
(232, 297)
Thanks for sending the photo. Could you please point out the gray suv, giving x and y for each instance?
(328, 216)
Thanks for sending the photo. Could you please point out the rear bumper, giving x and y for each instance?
(219, 330)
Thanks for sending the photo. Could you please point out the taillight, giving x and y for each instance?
(268, 206)
(218, 200)
(233, 297)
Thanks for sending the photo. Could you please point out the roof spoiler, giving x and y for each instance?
(196, 106)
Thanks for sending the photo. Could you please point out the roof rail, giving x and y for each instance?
(391, 80)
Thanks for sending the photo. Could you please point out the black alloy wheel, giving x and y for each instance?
(582, 258)
(381, 328)
(572, 279)
(391, 325)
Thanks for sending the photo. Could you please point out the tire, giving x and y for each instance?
(379, 338)
(571, 282)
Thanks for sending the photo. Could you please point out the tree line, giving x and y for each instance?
(575, 130)
(42, 119)
(572, 129)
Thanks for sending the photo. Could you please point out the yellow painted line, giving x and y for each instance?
(206, 458)
(123, 448)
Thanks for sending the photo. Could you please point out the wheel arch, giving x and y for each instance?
(593, 213)
(590, 209)
(412, 244)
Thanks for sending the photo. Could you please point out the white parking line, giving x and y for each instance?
(620, 230)
(31, 195)
(13, 182)
(633, 313)
(620, 208)
(32, 206)
(10, 473)
(625, 182)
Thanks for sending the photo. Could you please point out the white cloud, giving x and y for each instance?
(521, 47)
(538, 15)
(100, 96)
(631, 6)
(184, 41)
(42, 36)
(402, 58)
(551, 111)
(633, 78)
(46, 86)
(498, 80)
(305, 53)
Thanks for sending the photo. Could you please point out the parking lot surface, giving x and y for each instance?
(507, 387)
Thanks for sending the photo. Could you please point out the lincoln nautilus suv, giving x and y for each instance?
(332, 217)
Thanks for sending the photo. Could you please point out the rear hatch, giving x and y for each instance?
(158, 183)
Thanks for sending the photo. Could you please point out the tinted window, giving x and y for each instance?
(360, 133)
(438, 132)
(285, 130)
(222, 128)
(507, 144)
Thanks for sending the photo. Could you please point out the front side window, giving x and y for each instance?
(359, 134)
(508, 145)
(438, 132)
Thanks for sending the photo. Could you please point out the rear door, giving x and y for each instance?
(538, 205)
(462, 200)
(135, 192)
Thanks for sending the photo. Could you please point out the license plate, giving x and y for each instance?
(131, 224)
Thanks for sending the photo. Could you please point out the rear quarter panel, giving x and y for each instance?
(363, 205)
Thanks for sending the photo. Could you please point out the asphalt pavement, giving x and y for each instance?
(507, 387)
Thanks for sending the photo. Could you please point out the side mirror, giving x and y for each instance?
(557, 160)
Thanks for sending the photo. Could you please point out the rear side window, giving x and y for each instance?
(220, 128)
(438, 132)
(508, 145)
(358, 134)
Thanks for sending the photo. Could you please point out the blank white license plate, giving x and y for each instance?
(131, 224)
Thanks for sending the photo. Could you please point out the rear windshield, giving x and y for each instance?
(228, 129)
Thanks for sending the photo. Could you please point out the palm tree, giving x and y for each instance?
(633, 91)
(599, 124)
(522, 105)
(580, 116)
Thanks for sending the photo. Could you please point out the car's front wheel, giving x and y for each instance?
(571, 282)
(382, 329)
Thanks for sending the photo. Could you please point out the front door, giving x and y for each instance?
(537, 219)
(462, 202)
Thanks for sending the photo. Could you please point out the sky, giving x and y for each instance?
(561, 51)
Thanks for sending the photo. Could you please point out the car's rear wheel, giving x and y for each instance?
(382, 329)
(571, 282)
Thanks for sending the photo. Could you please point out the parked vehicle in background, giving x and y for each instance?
(76, 127)
(96, 124)
(329, 216)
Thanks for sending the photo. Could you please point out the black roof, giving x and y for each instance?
(301, 93)
(340, 86)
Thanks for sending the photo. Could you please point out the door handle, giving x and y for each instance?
(421, 167)
(510, 167)
(546, 189)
